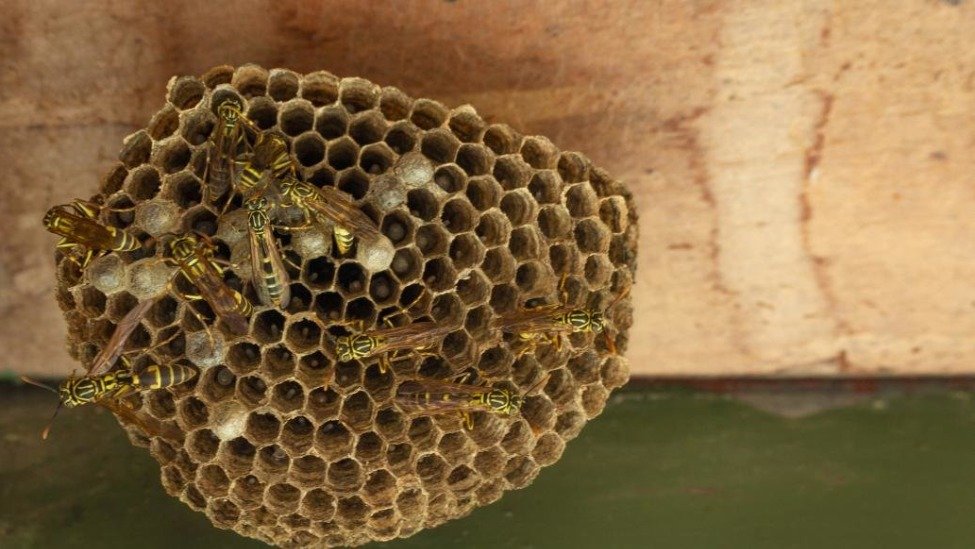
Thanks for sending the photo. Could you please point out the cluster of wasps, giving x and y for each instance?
(256, 165)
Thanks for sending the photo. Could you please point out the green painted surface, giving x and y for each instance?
(663, 470)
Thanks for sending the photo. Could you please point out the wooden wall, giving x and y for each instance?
(804, 169)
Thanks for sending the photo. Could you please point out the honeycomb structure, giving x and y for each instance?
(275, 439)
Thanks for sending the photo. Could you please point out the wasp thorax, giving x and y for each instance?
(66, 395)
(183, 246)
(503, 401)
(290, 434)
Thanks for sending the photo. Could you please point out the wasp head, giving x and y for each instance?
(256, 204)
(343, 349)
(598, 322)
(66, 392)
(229, 110)
(51, 217)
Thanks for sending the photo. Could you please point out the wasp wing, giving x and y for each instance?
(436, 396)
(539, 319)
(415, 335)
(114, 347)
(149, 426)
(81, 230)
(216, 173)
(222, 298)
(338, 208)
(270, 278)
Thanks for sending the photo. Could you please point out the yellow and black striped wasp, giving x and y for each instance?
(78, 226)
(416, 337)
(269, 160)
(106, 390)
(552, 322)
(193, 254)
(332, 206)
(429, 396)
(99, 386)
(267, 267)
(229, 136)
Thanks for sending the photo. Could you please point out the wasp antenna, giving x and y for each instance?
(610, 344)
(419, 295)
(538, 384)
(619, 298)
(204, 237)
(47, 429)
(36, 383)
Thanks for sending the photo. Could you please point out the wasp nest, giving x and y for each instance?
(277, 440)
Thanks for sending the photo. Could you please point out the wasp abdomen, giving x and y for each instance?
(160, 376)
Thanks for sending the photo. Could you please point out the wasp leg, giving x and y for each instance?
(292, 264)
(469, 378)
(421, 353)
(230, 199)
(294, 228)
(190, 298)
(563, 291)
(89, 255)
(222, 265)
(530, 344)
(309, 218)
(556, 341)
(231, 194)
(468, 420)
(357, 325)
(71, 247)
(154, 347)
(610, 344)
(388, 322)
(123, 391)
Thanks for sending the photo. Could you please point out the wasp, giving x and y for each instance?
(416, 338)
(328, 204)
(270, 155)
(78, 226)
(268, 161)
(193, 255)
(106, 390)
(434, 397)
(269, 275)
(551, 322)
(225, 142)
(97, 385)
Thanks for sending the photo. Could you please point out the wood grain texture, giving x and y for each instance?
(803, 169)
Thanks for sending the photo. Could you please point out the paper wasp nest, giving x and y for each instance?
(276, 440)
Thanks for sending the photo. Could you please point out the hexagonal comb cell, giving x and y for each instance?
(320, 88)
(275, 439)
(263, 112)
(186, 92)
(296, 117)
